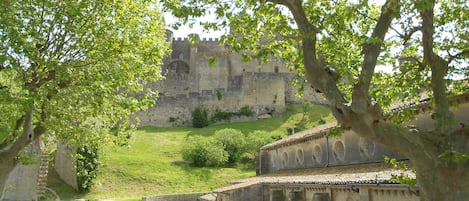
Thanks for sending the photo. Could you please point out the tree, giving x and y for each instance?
(337, 46)
(74, 70)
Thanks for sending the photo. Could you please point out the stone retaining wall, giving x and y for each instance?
(174, 197)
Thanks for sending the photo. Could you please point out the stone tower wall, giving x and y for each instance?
(191, 81)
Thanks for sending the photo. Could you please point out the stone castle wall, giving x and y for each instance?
(191, 81)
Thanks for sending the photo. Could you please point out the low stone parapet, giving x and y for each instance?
(174, 197)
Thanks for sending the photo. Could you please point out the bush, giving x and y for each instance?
(87, 167)
(245, 111)
(220, 115)
(199, 117)
(204, 151)
(233, 141)
(258, 139)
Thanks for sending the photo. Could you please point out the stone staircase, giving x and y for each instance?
(42, 175)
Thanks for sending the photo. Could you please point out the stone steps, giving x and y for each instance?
(41, 181)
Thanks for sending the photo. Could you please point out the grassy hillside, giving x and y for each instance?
(153, 164)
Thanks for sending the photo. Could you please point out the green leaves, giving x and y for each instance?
(83, 64)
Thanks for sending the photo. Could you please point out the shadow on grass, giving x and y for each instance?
(65, 191)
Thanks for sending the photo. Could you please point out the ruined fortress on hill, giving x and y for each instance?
(228, 86)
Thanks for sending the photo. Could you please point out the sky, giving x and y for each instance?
(184, 31)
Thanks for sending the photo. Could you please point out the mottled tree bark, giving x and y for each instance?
(439, 178)
(9, 154)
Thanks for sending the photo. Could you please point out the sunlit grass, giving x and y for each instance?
(152, 163)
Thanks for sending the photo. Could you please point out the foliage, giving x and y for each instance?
(74, 70)
(222, 116)
(219, 95)
(245, 111)
(205, 152)
(200, 117)
(364, 57)
(233, 141)
(128, 172)
(28, 158)
(87, 167)
(401, 178)
(219, 115)
(256, 139)
(172, 119)
(237, 146)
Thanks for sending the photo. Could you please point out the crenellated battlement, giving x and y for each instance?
(202, 40)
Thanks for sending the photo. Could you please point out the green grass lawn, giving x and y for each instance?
(153, 164)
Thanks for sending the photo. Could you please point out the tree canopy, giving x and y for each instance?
(420, 46)
(75, 70)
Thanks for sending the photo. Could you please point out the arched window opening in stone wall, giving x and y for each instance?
(300, 157)
(367, 148)
(339, 151)
(285, 159)
(317, 154)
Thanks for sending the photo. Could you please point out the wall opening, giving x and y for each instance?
(276, 195)
(367, 148)
(339, 151)
(296, 195)
(317, 154)
(285, 159)
(300, 157)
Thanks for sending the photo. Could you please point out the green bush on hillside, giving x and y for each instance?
(199, 117)
(204, 151)
(233, 141)
(257, 139)
(87, 167)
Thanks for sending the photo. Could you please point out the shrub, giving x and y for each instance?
(199, 117)
(219, 95)
(321, 121)
(87, 167)
(233, 141)
(245, 111)
(172, 119)
(204, 151)
(258, 139)
(220, 115)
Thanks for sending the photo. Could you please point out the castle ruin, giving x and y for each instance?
(227, 86)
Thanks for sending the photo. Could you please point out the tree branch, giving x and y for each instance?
(439, 68)
(316, 73)
(29, 134)
(462, 54)
(371, 50)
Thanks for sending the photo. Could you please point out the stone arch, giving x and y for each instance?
(300, 157)
(339, 150)
(367, 148)
(285, 159)
(317, 153)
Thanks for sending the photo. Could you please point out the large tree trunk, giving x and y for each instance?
(439, 181)
(9, 154)
(5, 169)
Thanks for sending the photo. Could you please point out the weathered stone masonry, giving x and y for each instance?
(191, 82)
